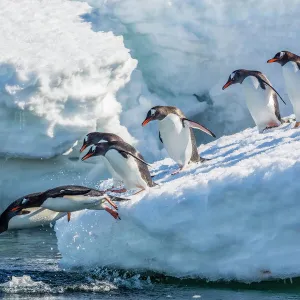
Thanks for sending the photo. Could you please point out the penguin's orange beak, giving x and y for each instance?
(83, 147)
(88, 155)
(147, 120)
(272, 60)
(227, 84)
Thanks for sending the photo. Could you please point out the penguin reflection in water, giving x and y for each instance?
(64, 199)
(126, 161)
(175, 132)
(261, 97)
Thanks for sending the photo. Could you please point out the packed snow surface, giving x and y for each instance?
(234, 217)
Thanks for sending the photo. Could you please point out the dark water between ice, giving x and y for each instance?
(29, 269)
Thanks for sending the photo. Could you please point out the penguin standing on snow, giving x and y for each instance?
(126, 161)
(68, 199)
(93, 138)
(175, 132)
(290, 67)
(261, 97)
(15, 217)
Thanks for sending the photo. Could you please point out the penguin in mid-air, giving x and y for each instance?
(93, 138)
(261, 97)
(70, 198)
(290, 63)
(175, 132)
(126, 161)
(16, 218)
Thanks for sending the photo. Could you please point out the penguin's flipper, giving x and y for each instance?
(160, 137)
(193, 124)
(120, 149)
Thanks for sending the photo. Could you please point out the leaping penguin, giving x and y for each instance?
(93, 138)
(70, 198)
(290, 63)
(175, 132)
(16, 218)
(126, 161)
(261, 97)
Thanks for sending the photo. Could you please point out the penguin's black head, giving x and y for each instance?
(3, 222)
(96, 150)
(93, 138)
(156, 113)
(236, 76)
(282, 57)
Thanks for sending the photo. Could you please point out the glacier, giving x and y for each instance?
(232, 218)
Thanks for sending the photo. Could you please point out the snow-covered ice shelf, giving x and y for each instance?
(234, 217)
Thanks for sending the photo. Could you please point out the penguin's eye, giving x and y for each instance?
(281, 54)
(85, 138)
(93, 148)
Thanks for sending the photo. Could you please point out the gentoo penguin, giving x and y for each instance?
(290, 67)
(13, 218)
(175, 132)
(93, 138)
(260, 96)
(126, 161)
(71, 198)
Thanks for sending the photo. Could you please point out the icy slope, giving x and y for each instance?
(235, 217)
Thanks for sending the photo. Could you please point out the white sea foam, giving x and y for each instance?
(233, 217)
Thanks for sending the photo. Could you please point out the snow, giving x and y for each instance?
(58, 78)
(234, 217)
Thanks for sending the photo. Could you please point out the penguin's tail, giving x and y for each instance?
(287, 120)
(202, 159)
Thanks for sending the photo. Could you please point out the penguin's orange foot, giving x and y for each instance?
(297, 125)
(113, 213)
(111, 203)
(270, 125)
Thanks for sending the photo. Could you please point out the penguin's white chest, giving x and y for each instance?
(127, 169)
(73, 203)
(260, 103)
(117, 179)
(36, 217)
(291, 76)
(176, 139)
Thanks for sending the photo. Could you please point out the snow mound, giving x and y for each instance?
(230, 218)
(58, 78)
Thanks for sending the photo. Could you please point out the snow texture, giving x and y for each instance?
(234, 217)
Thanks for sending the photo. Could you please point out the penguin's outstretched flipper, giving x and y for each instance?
(193, 124)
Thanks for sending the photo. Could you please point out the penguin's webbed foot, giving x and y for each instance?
(113, 213)
(297, 125)
(69, 216)
(111, 203)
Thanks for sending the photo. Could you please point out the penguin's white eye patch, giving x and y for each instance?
(24, 201)
(86, 138)
(232, 75)
(152, 112)
(93, 148)
(281, 54)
